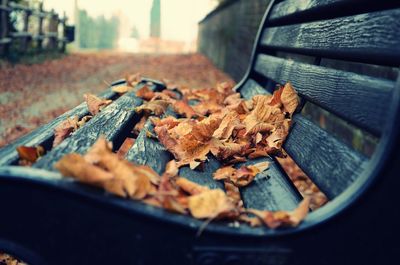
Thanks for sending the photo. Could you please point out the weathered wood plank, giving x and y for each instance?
(287, 8)
(250, 89)
(332, 165)
(360, 99)
(371, 37)
(45, 133)
(271, 189)
(114, 121)
(149, 151)
(295, 11)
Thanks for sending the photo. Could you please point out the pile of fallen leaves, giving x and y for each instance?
(207, 122)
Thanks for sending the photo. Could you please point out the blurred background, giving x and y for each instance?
(53, 51)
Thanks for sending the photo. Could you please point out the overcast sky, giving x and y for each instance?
(178, 17)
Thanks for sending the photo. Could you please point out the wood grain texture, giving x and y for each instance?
(295, 11)
(371, 37)
(362, 100)
(112, 122)
(290, 7)
(45, 133)
(271, 189)
(149, 151)
(250, 89)
(329, 163)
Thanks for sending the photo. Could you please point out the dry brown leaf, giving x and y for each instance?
(30, 154)
(156, 107)
(64, 130)
(190, 186)
(232, 191)
(283, 218)
(75, 165)
(101, 167)
(210, 204)
(240, 177)
(121, 89)
(224, 173)
(289, 99)
(182, 108)
(96, 104)
(133, 80)
(145, 93)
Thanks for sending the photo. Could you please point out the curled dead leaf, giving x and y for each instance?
(96, 104)
(30, 154)
(210, 204)
(156, 107)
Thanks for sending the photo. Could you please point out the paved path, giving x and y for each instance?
(32, 95)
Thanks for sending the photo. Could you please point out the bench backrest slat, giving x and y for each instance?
(331, 164)
(372, 37)
(360, 99)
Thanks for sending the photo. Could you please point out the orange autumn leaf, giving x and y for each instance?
(183, 108)
(103, 168)
(240, 177)
(190, 186)
(121, 89)
(156, 107)
(64, 130)
(96, 104)
(30, 154)
(289, 98)
(283, 218)
(133, 80)
(210, 204)
(145, 93)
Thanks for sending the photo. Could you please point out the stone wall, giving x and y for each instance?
(227, 34)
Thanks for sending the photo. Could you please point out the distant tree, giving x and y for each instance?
(97, 33)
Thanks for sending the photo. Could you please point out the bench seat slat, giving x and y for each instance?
(250, 89)
(360, 99)
(271, 190)
(45, 133)
(113, 121)
(344, 38)
(329, 163)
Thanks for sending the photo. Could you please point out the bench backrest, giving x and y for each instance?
(342, 58)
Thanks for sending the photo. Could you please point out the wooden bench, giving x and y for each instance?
(319, 47)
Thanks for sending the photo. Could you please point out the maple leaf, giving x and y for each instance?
(95, 104)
